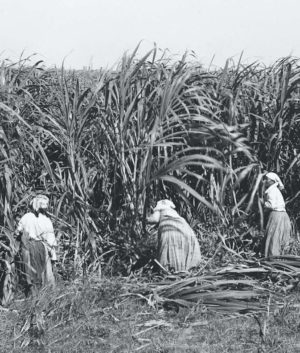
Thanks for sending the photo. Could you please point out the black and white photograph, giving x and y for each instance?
(149, 176)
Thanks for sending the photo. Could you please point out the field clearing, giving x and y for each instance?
(99, 316)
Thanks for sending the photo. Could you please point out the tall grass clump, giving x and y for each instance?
(106, 145)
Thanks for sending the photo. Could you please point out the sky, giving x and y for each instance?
(96, 33)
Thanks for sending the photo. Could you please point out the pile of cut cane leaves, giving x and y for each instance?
(252, 286)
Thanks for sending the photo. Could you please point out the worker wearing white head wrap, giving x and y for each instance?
(274, 177)
(278, 228)
(162, 207)
(37, 225)
(273, 198)
(178, 247)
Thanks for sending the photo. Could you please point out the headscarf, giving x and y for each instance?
(39, 202)
(276, 179)
(163, 205)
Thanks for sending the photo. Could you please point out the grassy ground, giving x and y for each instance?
(100, 316)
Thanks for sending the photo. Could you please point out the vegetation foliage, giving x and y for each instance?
(104, 145)
(103, 315)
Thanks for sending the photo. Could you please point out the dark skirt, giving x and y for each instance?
(278, 232)
(35, 264)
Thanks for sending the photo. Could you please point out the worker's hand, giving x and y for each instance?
(18, 235)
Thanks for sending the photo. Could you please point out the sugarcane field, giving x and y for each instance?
(150, 208)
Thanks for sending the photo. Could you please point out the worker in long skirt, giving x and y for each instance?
(278, 229)
(178, 246)
(38, 244)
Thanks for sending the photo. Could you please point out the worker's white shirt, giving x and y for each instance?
(39, 228)
(274, 199)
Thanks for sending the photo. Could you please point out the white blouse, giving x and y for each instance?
(39, 228)
(274, 199)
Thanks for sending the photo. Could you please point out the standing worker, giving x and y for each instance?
(38, 243)
(278, 230)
